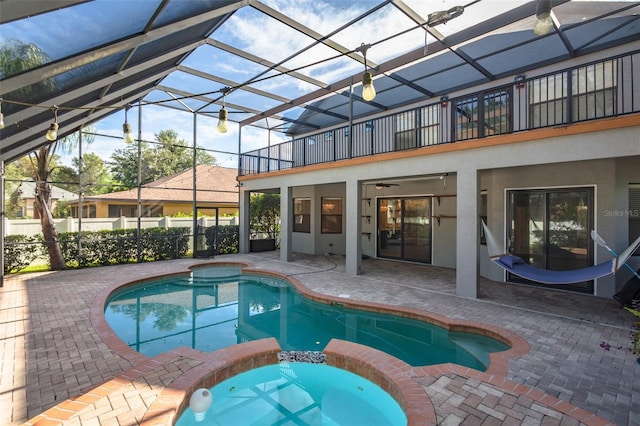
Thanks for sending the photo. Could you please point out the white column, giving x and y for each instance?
(286, 222)
(467, 265)
(353, 229)
(243, 237)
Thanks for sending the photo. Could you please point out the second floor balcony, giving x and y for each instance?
(590, 91)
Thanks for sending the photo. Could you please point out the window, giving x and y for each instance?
(405, 130)
(483, 115)
(547, 101)
(124, 210)
(549, 228)
(430, 125)
(466, 119)
(302, 215)
(594, 90)
(331, 217)
(593, 95)
(87, 211)
(496, 113)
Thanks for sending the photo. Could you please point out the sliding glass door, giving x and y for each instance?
(404, 228)
(550, 228)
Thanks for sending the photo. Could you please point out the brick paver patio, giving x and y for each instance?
(55, 362)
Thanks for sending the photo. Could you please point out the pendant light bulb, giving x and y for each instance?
(368, 91)
(52, 133)
(544, 22)
(127, 134)
(223, 126)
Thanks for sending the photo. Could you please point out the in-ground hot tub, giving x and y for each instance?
(298, 393)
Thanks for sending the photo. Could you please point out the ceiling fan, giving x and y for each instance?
(381, 185)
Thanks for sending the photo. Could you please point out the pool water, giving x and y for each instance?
(217, 307)
(298, 394)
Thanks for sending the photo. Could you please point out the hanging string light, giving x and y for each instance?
(368, 91)
(544, 21)
(223, 117)
(126, 128)
(52, 133)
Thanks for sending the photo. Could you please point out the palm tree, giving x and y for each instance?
(17, 57)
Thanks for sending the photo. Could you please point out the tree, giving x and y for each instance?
(16, 57)
(96, 177)
(168, 156)
(264, 214)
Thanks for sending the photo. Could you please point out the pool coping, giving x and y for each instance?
(498, 361)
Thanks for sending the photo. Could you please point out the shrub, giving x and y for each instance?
(228, 238)
(121, 246)
(20, 251)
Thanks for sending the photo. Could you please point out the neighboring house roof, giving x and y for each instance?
(28, 189)
(214, 185)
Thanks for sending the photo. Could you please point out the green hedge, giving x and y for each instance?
(228, 238)
(115, 247)
(120, 246)
(20, 251)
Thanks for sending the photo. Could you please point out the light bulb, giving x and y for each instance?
(543, 25)
(52, 133)
(222, 121)
(368, 91)
(544, 22)
(200, 402)
(128, 136)
(1, 120)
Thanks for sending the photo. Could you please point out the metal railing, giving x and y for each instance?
(605, 88)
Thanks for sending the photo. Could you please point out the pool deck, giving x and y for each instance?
(60, 367)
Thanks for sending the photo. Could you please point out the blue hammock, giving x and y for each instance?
(519, 267)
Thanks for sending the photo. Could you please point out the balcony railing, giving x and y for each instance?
(605, 88)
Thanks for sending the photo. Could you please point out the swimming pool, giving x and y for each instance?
(215, 307)
(298, 393)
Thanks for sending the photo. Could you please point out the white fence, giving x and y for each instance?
(32, 227)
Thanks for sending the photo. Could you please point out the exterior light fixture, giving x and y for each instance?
(444, 100)
(52, 133)
(126, 129)
(223, 117)
(519, 81)
(544, 22)
(200, 402)
(444, 16)
(368, 91)
(1, 116)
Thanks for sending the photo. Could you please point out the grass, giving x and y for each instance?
(34, 268)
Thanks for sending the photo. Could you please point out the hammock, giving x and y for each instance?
(519, 267)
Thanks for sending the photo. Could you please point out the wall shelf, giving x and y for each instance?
(443, 196)
(442, 216)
